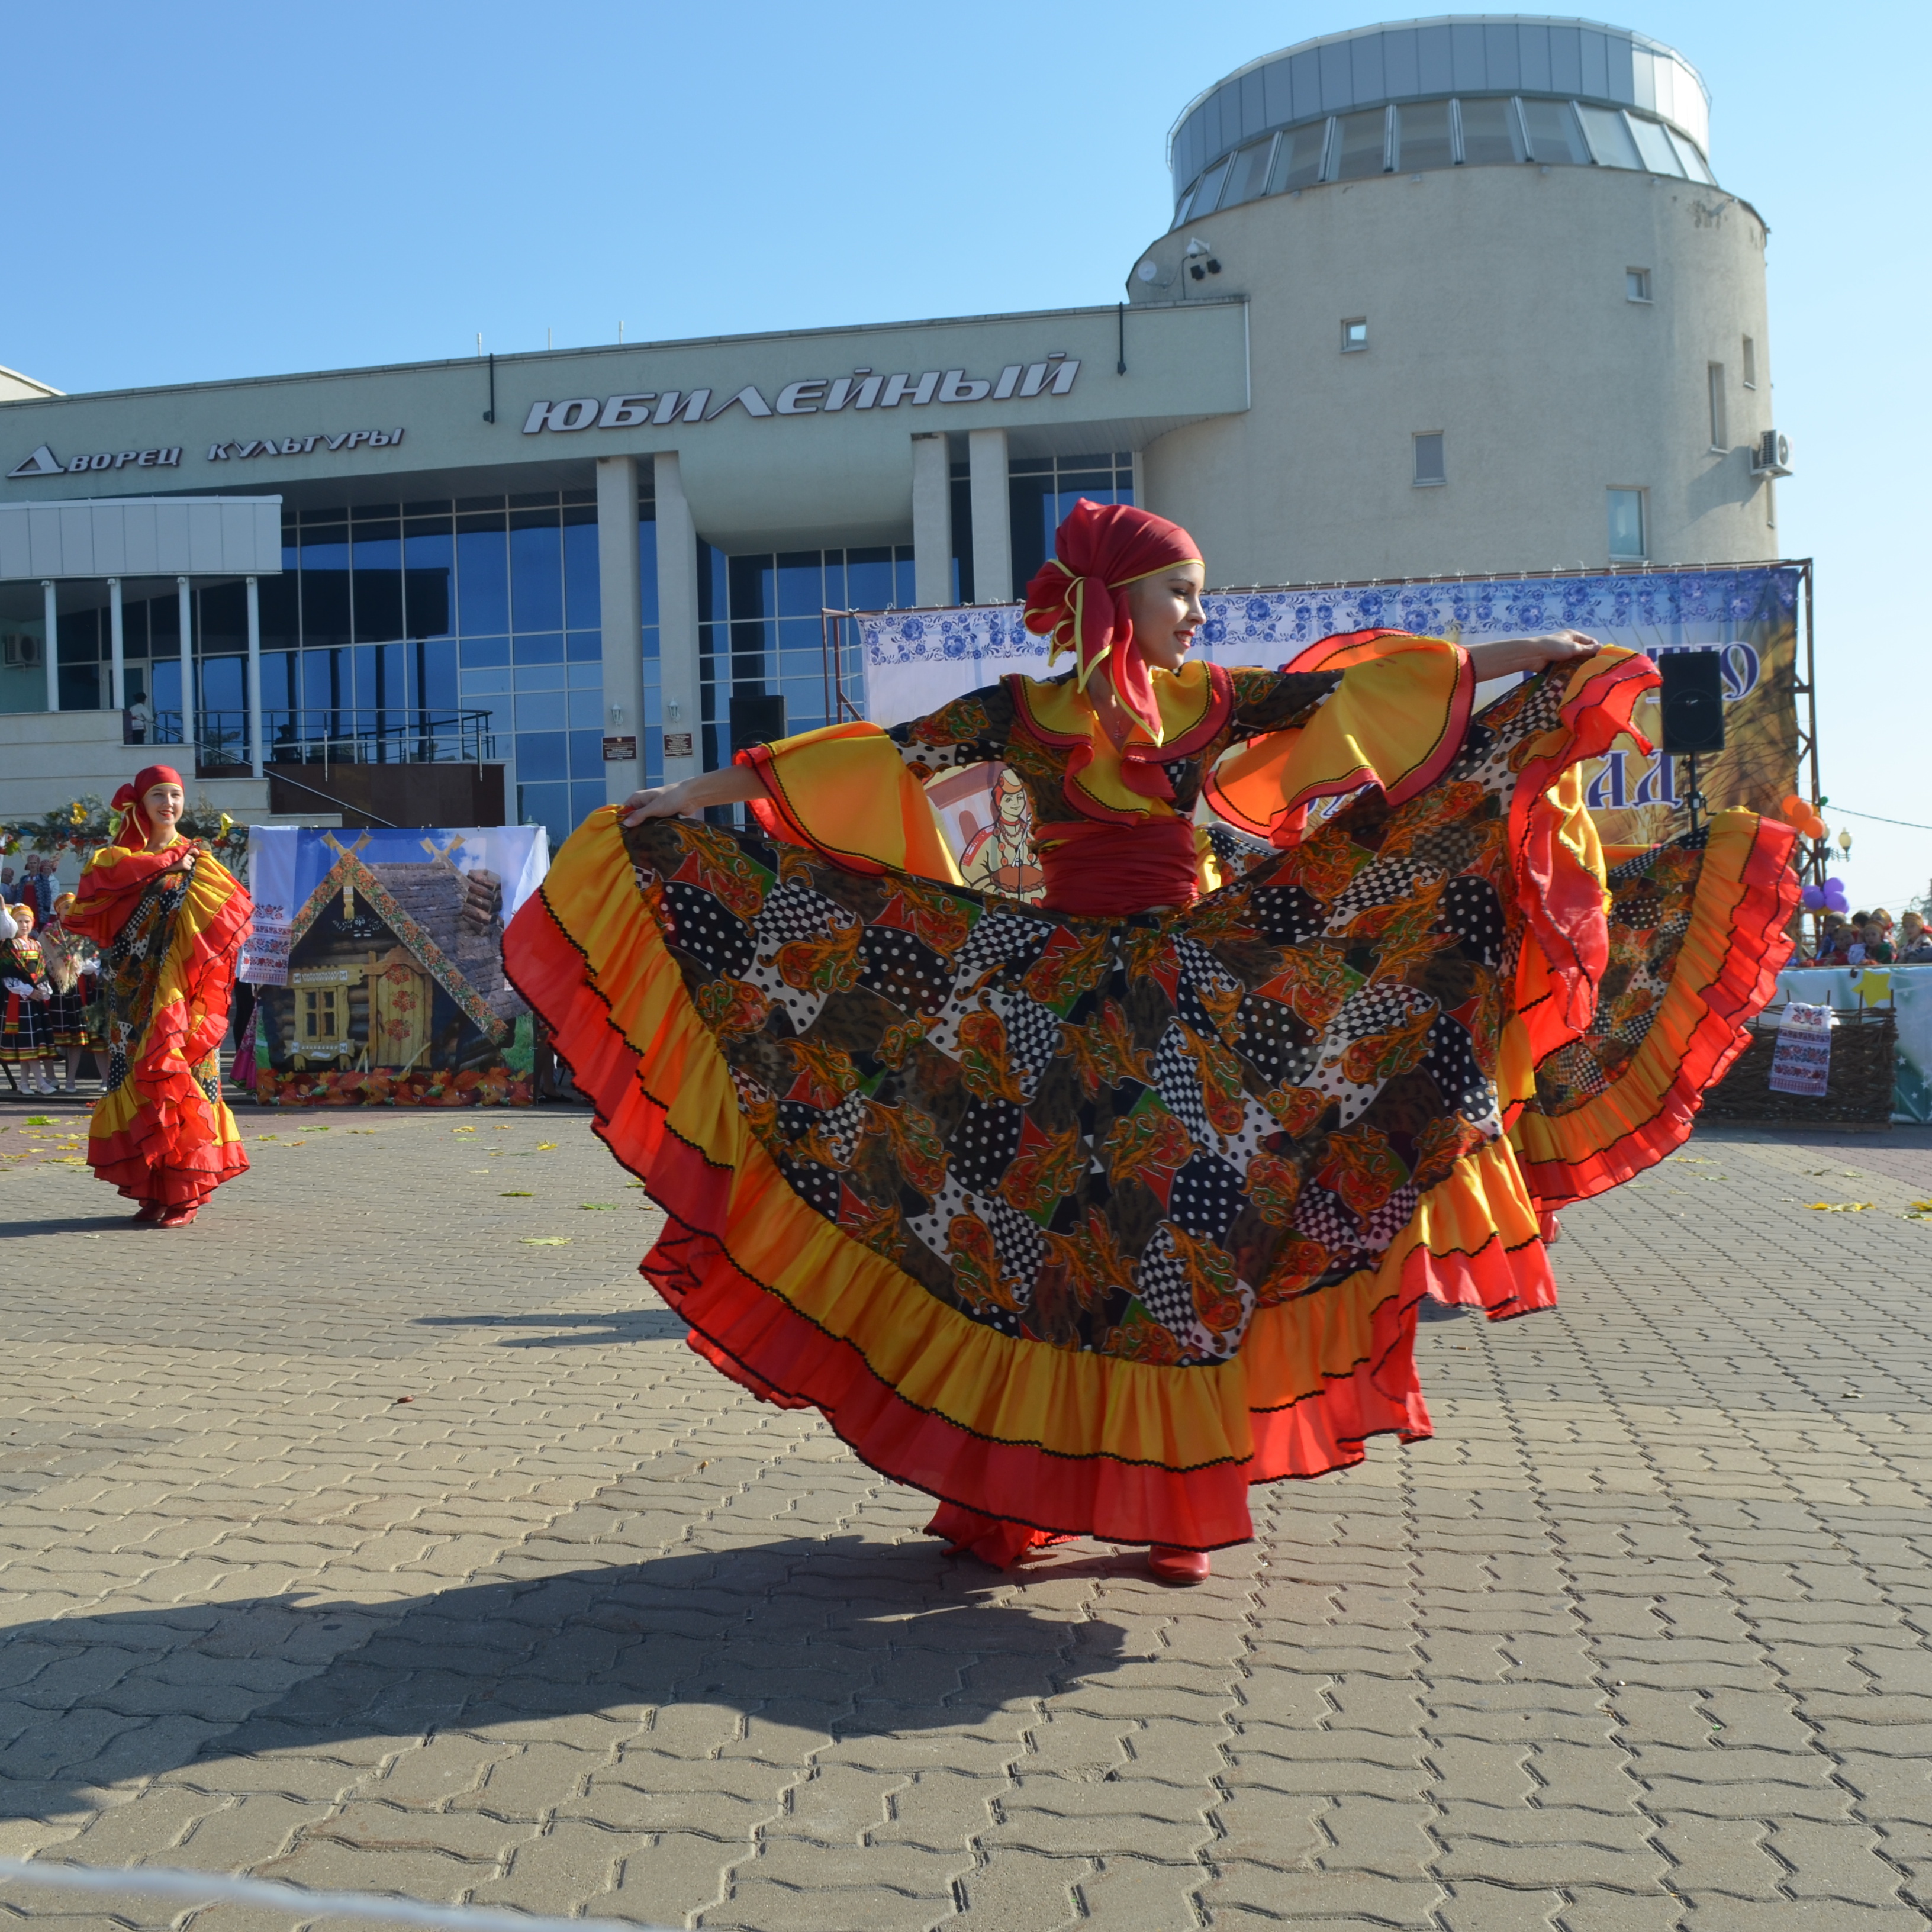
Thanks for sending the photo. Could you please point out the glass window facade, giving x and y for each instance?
(1556, 139)
(1042, 490)
(1423, 139)
(1361, 149)
(761, 636)
(1208, 197)
(1249, 176)
(1297, 162)
(389, 620)
(1490, 138)
(1654, 144)
(1480, 131)
(151, 634)
(1608, 135)
(1694, 164)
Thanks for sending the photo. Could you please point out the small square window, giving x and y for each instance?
(1429, 462)
(1627, 531)
(1354, 333)
(1751, 363)
(1637, 285)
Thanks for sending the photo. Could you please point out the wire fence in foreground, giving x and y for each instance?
(194, 1888)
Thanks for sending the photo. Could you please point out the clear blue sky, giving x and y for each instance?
(205, 190)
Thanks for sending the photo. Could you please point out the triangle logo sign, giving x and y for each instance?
(43, 463)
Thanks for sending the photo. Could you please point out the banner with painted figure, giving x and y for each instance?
(916, 661)
(987, 819)
(378, 958)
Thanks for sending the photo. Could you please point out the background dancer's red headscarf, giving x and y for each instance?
(127, 800)
(1075, 598)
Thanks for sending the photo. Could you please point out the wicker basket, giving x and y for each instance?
(1858, 1093)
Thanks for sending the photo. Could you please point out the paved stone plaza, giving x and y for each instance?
(379, 1533)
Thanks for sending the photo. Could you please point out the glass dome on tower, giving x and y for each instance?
(1475, 90)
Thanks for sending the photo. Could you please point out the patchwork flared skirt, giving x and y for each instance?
(1089, 1224)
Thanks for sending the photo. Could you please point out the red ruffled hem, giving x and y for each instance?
(173, 1176)
(1755, 945)
(768, 1348)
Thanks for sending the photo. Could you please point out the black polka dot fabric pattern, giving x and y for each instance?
(1450, 1063)
(711, 934)
(902, 969)
(1206, 1196)
(985, 1142)
(1199, 1111)
(1473, 911)
(1651, 900)
(1285, 915)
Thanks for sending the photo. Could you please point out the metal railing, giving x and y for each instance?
(392, 737)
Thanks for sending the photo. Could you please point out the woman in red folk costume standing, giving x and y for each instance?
(1084, 1217)
(169, 919)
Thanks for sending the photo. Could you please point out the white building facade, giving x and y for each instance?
(1460, 295)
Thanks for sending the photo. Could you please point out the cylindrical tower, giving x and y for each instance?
(1501, 315)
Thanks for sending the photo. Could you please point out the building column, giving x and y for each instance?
(255, 676)
(50, 649)
(992, 516)
(678, 680)
(932, 519)
(185, 604)
(621, 595)
(117, 638)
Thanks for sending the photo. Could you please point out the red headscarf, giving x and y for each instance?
(1074, 598)
(128, 800)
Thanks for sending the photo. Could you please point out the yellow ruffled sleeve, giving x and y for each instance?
(1396, 721)
(844, 791)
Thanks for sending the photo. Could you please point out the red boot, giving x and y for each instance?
(1167, 1564)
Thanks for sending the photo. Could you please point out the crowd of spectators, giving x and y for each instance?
(1871, 939)
(37, 887)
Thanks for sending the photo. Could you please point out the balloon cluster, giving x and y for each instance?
(1803, 814)
(1830, 897)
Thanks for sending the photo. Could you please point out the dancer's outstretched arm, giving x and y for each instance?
(1507, 656)
(730, 784)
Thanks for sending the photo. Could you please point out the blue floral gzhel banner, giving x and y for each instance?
(915, 661)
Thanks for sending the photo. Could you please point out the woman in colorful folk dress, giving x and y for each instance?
(26, 1001)
(1084, 1217)
(72, 970)
(169, 919)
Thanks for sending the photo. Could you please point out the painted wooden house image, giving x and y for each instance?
(395, 991)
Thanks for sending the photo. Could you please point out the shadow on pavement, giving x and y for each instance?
(113, 1216)
(852, 1638)
(632, 1324)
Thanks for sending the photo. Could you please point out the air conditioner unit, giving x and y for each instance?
(19, 650)
(1772, 456)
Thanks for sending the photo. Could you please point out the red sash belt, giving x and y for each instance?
(1095, 871)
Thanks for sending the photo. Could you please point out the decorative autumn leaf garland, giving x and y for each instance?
(88, 821)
